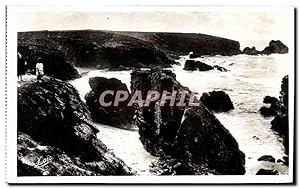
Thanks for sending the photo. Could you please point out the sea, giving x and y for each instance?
(248, 81)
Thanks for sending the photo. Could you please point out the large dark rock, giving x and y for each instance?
(120, 115)
(217, 101)
(273, 109)
(190, 135)
(196, 65)
(55, 126)
(267, 112)
(270, 100)
(276, 47)
(97, 49)
(250, 51)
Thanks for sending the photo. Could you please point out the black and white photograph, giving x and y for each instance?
(150, 94)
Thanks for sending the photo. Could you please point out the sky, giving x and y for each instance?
(251, 26)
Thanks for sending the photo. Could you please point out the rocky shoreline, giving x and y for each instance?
(56, 133)
(55, 127)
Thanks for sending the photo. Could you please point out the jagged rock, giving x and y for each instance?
(281, 121)
(250, 51)
(196, 65)
(54, 123)
(220, 68)
(276, 47)
(273, 109)
(217, 100)
(186, 134)
(270, 100)
(266, 158)
(267, 112)
(267, 172)
(207, 140)
(120, 115)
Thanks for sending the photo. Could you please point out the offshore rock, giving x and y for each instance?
(217, 101)
(276, 47)
(120, 115)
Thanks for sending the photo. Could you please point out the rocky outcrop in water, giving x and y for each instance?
(273, 108)
(268, 111)
(196, 65)
(192, 137)
(276, 47)
(217, 101)
(97, 49)
(56, 135)
(119, 115)
(192, 65)
(250, 51)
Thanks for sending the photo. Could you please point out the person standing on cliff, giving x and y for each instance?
(21, 66)
(39, 67)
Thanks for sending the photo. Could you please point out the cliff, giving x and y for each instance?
(60, 50)
(56, 135)
(183, 43)
(98, 49)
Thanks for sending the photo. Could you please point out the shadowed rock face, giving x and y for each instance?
(54, 61)
(183, 43)
(96, 49)
(217, 101)
(192, 136)
(53, 123)
(120, 115)
(281, 121)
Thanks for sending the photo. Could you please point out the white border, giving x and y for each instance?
(12, 107)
